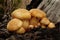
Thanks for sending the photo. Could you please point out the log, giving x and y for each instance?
(52, 9)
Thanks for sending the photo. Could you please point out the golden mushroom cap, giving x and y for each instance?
(21, 14)
(21, 30)
(45, 21)
(14, 24)
(37, 13)
(51, 25)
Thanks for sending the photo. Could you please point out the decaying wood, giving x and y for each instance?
(52, 8)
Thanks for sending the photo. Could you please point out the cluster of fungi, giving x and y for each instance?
(24, 20)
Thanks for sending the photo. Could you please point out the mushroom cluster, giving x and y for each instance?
(24, 20)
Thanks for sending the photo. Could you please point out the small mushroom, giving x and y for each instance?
(31, 26)
(21, 30)
(43, 26)
(45, 21)
(51, 25)
(38, 13)
(38, 24)
(14, 24)
(21, 14)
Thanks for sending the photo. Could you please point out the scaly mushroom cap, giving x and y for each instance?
(14, 24)
(45, 21)
(21, 14)
(37, 13)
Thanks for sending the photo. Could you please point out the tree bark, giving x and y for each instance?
(52, 9)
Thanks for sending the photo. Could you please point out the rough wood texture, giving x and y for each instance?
(52, 8)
